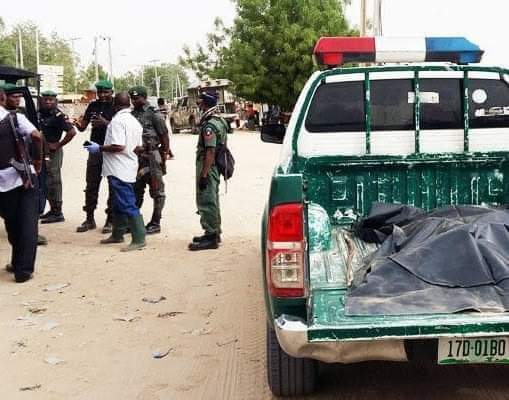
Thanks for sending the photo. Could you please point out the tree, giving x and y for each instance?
(167, 74)
(53, 50)
(268, 51)
(86, 77)
(209, 58)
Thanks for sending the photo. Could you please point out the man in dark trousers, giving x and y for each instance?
(53, 123)
(19, 197)
(99, 113)
(120, 167)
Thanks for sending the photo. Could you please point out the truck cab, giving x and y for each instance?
(412, 130)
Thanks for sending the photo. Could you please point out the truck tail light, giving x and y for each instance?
(285, 251)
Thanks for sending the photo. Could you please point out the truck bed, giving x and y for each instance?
(329, 287)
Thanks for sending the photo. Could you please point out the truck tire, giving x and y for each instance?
(192, 125)
(174, 128)
(287, 375)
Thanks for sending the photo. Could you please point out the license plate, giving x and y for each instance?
(479, 350)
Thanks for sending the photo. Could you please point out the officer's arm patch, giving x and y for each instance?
(209, 136)
(208, 132)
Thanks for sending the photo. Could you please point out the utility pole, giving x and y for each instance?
(72, 40)
(156, 77)
(96, 60)
(180, 88)
(111, 59)
(37, 60)
(363, 18)
(377, 18)
(21, 64)
(17, 55)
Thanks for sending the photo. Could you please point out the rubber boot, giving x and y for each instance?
(137, 232)
(118, 230)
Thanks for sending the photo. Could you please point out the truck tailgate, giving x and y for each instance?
(328, 322)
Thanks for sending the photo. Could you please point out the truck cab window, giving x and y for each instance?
(337, 107)
(442, 107)
(489, 103)
(390, 108)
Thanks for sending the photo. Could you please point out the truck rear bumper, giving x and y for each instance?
(292, 334)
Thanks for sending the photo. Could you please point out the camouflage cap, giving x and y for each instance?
(138, 91)
(103, 84)
(49, 93)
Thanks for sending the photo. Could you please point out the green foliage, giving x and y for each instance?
(207, 59)
(268, 51)
(86, 77)
(53, 50)
(166, 72)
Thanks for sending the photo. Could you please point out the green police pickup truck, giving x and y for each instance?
(425, 126)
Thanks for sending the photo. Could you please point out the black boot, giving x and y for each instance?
(108, 227)
(152, 228)
(88, 224)
(46, 215)
(56, 216)
(200, 238)
(207, 242)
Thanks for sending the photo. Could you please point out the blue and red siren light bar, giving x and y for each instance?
(335, 51)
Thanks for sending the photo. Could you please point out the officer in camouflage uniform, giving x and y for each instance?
(152, 162)
(53, 122)
(213, 133)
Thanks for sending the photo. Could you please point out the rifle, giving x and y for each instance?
(152, 154)
(23, 165)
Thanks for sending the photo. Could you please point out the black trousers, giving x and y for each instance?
(94, 177)
(19, 209)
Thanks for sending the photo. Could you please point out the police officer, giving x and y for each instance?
(99, 113)
(53, 122)
(19, 196)
(151, 162)
(213, 133)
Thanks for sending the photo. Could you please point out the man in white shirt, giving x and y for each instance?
(120, 166)
(19, 197)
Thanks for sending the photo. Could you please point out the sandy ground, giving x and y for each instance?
(96, 337)
(212, 319)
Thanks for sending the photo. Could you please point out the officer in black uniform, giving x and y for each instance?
(19, 197)
(99, 113)
(53, 123)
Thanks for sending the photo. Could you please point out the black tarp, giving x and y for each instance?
(448, 260)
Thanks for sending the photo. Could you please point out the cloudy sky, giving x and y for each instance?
(158, 29)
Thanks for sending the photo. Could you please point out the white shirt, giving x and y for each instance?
(9, 177)
(123, 130)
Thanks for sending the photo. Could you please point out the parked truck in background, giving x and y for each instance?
(185, 113)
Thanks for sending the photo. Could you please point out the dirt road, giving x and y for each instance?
(89, 324)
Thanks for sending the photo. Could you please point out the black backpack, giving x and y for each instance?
(225, 162)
